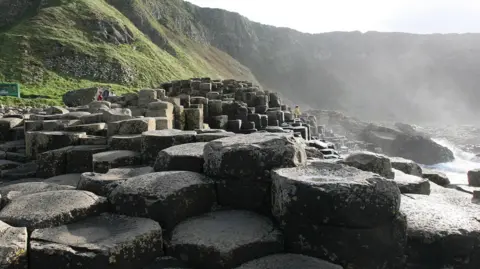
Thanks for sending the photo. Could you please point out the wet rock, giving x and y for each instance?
(105, 241)
(368, 161)
(13, 247)
(52, 208)
(438, 178)
(104, 161)
(186, 157)
(411, 184)
(406, 166)
(155, 141)
(166, 197)
(103, 184)
(288, 261)
(225, 239)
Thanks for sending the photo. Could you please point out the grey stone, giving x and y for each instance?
(167, 263)
(436, 177)
(125, 142)
(12, 191)
(411, 184)
(39, 142)
(105, 241)
(166, 197)
(6, 125)
(13, 247)
(225, 239)
(52, 208)
(80, 97)
(104, 161)
(406, 166)
(333, 194)
(442, 229)
(474, 177)
(155, 141)
(68, 179)
(371, 162)
(131, 126)
(116, 114)
(6, 164)
(288, 261)
(252, 156)
(103, 184)
(185, 157)
(80, 158)
(90, 129)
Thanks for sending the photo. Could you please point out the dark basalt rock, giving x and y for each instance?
(105, 241)
(186, 157)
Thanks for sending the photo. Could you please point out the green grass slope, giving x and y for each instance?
(71, 44)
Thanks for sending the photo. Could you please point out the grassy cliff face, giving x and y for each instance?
(67, 44)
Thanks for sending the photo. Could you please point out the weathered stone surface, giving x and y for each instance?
(56, 110)
(442, 229)
(207, 137)
(92, 118)
(79, 158)
(185, 157)
(52, 163)
(125, 142)
(52, 208)
(116, 114)
(167, 197)
(406, 166)
(68, 179)
(92, 140)
(474, 177)
(74, 115)
(252, 156)
(80, 97)
(225, 239)
(162, 123)
(155, 141)
(90, 129)
(167, 263)
(7, 193)
(313, 152)
(288, 261)
(334, 194)
(411, 184)
(132, 126)
(13, 247)
(368, 161)
(6, 125)
(104, 161)
(39, 142)
(438, 178)
(6, 164)
(26, 170)
(193, 118)
(379, 247)
(103, 184)
(105, 241)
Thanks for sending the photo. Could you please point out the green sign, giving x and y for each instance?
(10, 90)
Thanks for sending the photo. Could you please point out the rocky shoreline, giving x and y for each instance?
(213, 174)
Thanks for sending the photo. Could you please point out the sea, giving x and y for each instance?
(456, 170)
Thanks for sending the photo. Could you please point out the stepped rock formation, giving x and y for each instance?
(142, 181)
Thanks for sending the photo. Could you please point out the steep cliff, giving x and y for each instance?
(64, 44)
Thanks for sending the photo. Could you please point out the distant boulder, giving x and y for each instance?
(81, 97)
(414, 147)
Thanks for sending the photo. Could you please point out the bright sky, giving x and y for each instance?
(316, 16)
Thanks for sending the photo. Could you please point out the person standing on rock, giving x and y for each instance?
(297, 112)
(100, 97)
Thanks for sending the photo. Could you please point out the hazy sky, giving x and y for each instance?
(315, 16)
